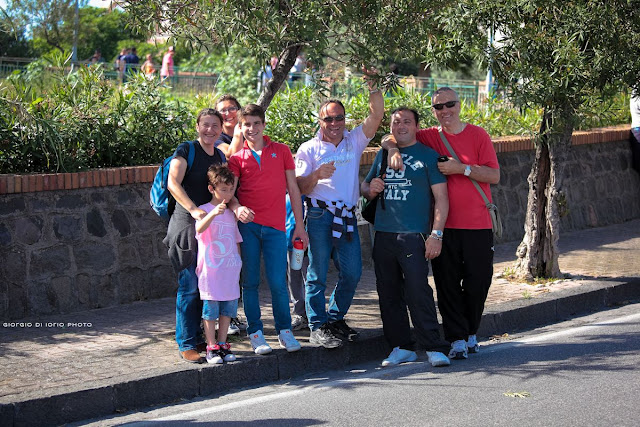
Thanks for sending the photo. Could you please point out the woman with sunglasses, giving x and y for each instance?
(228, 106)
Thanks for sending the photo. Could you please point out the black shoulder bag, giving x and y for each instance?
(369, 206)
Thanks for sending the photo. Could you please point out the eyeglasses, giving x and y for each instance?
(331, 119)
(229, 110)
(449, 104)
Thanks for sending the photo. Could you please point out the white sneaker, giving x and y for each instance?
(472, 344)
(398, 356)
(258, 343)
(458, 350)
(233, 329)
(288, 341)
(438, 359)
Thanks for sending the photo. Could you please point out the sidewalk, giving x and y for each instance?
(82, 365)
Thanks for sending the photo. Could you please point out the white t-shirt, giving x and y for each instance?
(344, 184)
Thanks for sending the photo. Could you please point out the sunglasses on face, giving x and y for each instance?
(331, 119)
(449, 104)
(229, 110)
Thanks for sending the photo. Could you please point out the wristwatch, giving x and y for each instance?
(437, 233)
(467, 170)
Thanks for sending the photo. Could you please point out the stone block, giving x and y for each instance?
(132, 285)
(17, 301)
(83, 291)
(42, 298)
(145, 251)
(28, 230)
(97, 198)
(12, 204)
(67, 227)
(72, 201)
(120, 222)
(163, 282)
(5, 235)
(103, 290)
(165, 388)
(147, 221)
(66, 299)
(95, 223)
(64, 408)
(127, 254)
(54, 260)
(40, 204)
(128, 197)
(94, 256)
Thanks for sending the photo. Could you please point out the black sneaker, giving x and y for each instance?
(341, 329)
(324, 337)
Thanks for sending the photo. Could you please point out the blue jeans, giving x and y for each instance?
(272, 245)
(211, 310)
(188, 309)
(349, 261)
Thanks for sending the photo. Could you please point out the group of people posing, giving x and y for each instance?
(234, 185)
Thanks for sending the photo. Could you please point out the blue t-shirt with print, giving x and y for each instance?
(407, 193)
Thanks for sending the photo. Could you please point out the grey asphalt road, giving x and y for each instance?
(583, 372)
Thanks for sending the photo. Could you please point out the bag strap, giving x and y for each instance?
(383, 172)
(191, 156)
(487, 203)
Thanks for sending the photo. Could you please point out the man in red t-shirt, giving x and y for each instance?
(264, 171)
(463, 271)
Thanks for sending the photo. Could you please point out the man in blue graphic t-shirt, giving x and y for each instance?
(405, 242)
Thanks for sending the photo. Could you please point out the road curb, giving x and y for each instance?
(189, 381)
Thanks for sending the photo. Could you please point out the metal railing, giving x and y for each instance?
(189, 81)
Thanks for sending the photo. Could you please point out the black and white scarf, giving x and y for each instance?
(342, 214)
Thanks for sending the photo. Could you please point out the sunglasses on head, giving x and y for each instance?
(449, 104)
(331, 119)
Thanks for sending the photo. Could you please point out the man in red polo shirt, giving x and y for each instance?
(264, 171)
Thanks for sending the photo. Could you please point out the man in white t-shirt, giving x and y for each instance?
(327, 168)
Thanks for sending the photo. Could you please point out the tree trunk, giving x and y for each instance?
(538, 252)
(285, 62)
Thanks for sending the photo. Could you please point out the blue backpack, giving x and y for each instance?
(160, 198)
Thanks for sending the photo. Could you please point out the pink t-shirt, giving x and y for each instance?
(263, 187)
(219, 262)
(473, 146)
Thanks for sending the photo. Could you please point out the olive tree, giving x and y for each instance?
(553, 55)
(356, 32)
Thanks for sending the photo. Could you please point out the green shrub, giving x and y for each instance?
(78, 120)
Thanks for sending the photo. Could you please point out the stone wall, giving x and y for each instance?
(71, 242)
(71, 250)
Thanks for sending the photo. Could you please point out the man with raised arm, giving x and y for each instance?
(327, 169)
(463, 270)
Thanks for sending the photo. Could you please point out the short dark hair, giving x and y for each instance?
(416, 115)
(220, 174)
(251, 110)
(227, 97)
(208, 112)
(330, 101)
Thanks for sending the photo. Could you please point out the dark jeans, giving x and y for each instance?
(463, 274)
(401, 281)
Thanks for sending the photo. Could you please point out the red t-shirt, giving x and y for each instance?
(262, 187)
(473, 146)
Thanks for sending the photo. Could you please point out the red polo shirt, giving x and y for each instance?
(263, 186)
